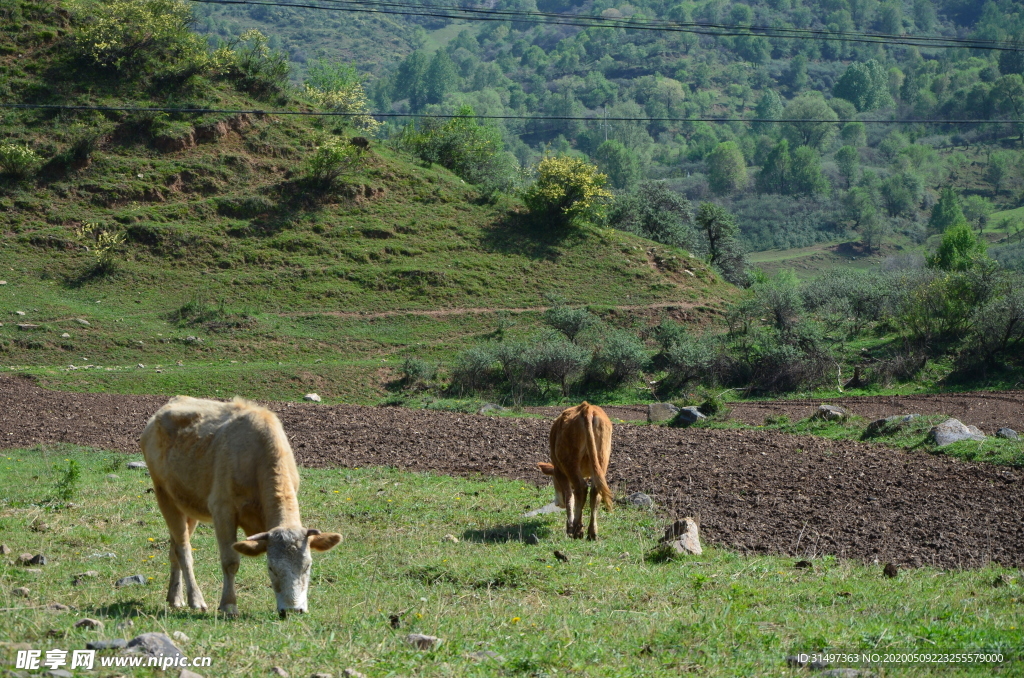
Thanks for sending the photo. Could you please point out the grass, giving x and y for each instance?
(607, 612)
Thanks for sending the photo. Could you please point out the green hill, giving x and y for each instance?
(219, 235)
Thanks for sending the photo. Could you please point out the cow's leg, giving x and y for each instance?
(563, 490)
(579, 502)
(594, 501)
(180, 529)
(227, 533)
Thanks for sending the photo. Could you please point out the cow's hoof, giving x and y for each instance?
(592, 537)
(176, 603)
(229, 610)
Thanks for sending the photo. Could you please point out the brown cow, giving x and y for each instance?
(581, 444)
(230, 464)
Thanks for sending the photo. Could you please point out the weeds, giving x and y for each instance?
(68, 476)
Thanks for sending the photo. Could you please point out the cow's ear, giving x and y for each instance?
(323, 542)
(251, 547)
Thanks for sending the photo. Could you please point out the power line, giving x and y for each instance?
(712, 30)
(338, 114)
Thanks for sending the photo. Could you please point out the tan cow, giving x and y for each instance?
(230, 464)
(581, 444)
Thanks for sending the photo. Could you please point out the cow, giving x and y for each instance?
(230, 463)
(581, 444)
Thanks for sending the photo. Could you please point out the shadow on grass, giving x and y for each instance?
(530, 237)
(500, 534)
(126, 610)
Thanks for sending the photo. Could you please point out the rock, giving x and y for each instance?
(28, 327)
(19, 313)
(549, 508)
(115, 644)
(531, 539)
(3, 282)
(684, 536)
(322, 675)
(661, 412)
(103, 555)
(352, 673)
(830, 413)
(57, 607)
(126, 624)
(799, 663)
(141, 366)
(485, 655)
(803, 565)
(38, 559)
(24, 558)
(153, 645)
(312, 397)
(88, 623)
(83, 322)
(890, 571)
(21, 592)
(113, 476)
(180, 637)
(193, 340)
(640, 500)
(137, 465)
(1007, 434)
(185, 673)
(4, 549)
(490, 407)
(450, 538)
(687, 416)
(423, 642)
(889, 425)
(278, 671)
(847, 673)
(65, 335)
(130, 581)
(951, 431)
(57, 673)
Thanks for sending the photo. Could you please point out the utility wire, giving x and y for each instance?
(602, 22)
(339, 114)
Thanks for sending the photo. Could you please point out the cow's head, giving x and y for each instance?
(288, 560)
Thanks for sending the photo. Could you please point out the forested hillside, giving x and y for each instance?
(789, 185)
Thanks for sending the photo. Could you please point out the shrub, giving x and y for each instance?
(339, 88)
(569, 321)
(561, 361)
(67, 480)
(265, 70)
(417, 373)
(689, 359)
(653, 211)
(620, 358)
(104, 243)
(18, 161)
(520, 364)
(997, 331)
(470, 150)
(332, 159)
(568, 191)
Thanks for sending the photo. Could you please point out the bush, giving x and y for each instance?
(520, 364)
(568, 191)
(331, 160)
(620, 359)
(997, 331)
(339, 88)
(689, 359)
(474, 369)
(67, 480)
(569, 321)
(561, 361)
(18, 161)
(653, 211)
(265, 70)
(417, 373)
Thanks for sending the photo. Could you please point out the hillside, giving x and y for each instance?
(219, 235)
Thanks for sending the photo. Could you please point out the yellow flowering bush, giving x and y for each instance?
(123, 33)
(349, 99)
(331, 159)
(568, 190)
(17, 161)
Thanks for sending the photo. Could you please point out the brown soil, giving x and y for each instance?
(756, 491)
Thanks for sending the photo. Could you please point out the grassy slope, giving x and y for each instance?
(607, 612)
(228, 230)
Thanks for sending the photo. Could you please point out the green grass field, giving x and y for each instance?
(609, 611)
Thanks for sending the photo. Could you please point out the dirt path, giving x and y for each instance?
(467, 311)
(756, 491)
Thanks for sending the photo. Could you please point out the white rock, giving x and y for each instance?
(65, 336)
(83, 322)
(684, 536)
(141, 366)
(178, 635)
(312, 397)
(19, 313)
(423, 642)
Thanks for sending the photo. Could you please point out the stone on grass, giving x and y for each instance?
(185, 673)
(57, 607)
(450, 538)
(311, 397)
(889, 425)
(830, 413)
(683, 536)
(687, 416)
(38, 559)
(278, 671)
(953, 430)
(24, 558)
(180, 637)
(548, 508)
(28, 327)
(21, 592)
(485, 655)
(83, 322)
(490, 407)
(352, 673)
(130, 581)
(847, 673)
(65, 335)
(113, 476)
(4, 549)
(115, 644)
(423, 642)
(153, 645)
(1007, 434)
(321, 675)
(88, 623)
(137, 465)
(57, 673)
(640, 500)
(661, 412)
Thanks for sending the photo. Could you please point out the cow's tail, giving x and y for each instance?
(595, 463)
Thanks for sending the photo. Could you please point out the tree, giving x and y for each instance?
(460, 144)
(865, 85)
(848, 161)
(1009, 96)
(568, 191)
(890, 19)
(440, 78)
(775, 175)
(959, 250)
(946, 212)
(769, 107)
(727, 170)
(619, 163)
(796, 75)
(655, 212)
(820, 128)
(338, 87)
(806, 176)
(853, 134)
(718, 229)
(409, 80)
(998, 169)
(901, 192)
(976, 210)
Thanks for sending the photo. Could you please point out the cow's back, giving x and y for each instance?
(203, 451)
